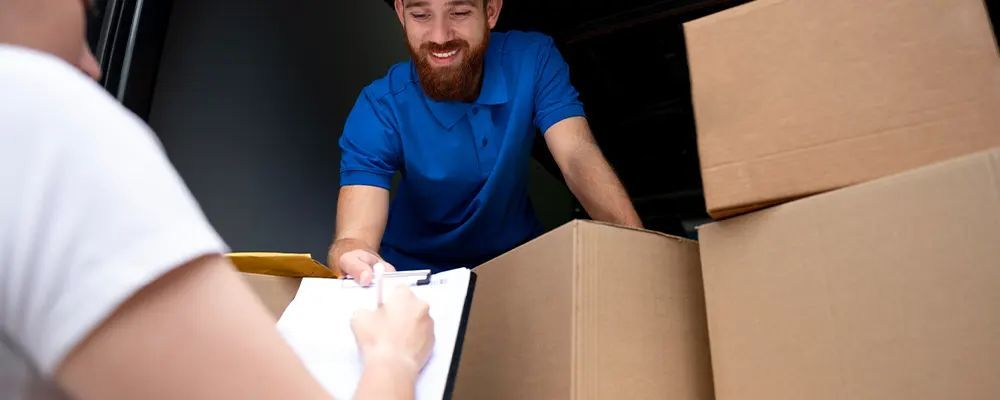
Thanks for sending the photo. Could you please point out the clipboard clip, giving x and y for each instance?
(419, 277)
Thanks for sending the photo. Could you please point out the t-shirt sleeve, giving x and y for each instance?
(92, 212)
(370, 146)
(555, 97)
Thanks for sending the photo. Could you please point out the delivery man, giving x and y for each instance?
(112, 282)
(458, 122)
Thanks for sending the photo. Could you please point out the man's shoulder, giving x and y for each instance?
(396, 81)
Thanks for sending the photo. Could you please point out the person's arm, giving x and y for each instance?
(402, 322)
(588, 174)
(559, 115)
(118, 290)
(362, 212)
(196, 333)
(200, 333)
(371, 153)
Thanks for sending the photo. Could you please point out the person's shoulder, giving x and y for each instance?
(44, 92)
(396, 81)
(521, 41)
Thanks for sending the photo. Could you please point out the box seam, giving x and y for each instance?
(869, 135)
(574, 303)
(629, 228)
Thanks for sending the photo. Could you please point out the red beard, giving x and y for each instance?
(460, 82)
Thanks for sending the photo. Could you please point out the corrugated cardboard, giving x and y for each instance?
(588, 311)
(275, 277)
(796, 97)
(885, 290)
(276, 292)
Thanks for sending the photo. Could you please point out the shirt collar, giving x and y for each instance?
(493, 92)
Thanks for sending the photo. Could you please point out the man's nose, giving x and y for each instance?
(441, 30)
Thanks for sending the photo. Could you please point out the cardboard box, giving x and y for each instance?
(797, 97)
(885, 290)
(588, 311)
(276, 292)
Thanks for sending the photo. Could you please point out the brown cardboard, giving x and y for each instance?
(588, 311)
(796, 97)
(276, 292)
(884, 290)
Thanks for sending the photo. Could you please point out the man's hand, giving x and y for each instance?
(358, 264)
(399, 334)
(361, 216)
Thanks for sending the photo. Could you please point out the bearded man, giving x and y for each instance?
(458, 122)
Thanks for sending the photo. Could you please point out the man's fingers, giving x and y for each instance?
(365, 278)
(388, 267)
(367, 258)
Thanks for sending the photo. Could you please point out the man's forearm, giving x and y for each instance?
(361, 216)
(595, 184)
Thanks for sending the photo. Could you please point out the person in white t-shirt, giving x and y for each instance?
(112, 283)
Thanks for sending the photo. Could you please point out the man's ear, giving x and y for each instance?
(493, 8)
(399, 12)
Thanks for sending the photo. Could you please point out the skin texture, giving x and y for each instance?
(588, 173)
(53, 26)
(199, 332)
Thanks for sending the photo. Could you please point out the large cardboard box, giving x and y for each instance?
(588, 311)
(276, 292)
(885, 290)
(797, 97)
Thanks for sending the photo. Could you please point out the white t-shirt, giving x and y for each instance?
(91, 211)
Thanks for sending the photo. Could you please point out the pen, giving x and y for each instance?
(379, 279)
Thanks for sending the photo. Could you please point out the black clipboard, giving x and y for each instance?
(456, 356)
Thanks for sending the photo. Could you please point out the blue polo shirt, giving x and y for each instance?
(463, 196)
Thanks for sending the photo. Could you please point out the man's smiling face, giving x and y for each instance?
(447, 40)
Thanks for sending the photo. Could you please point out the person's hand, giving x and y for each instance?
(358, 265)
(400, 332)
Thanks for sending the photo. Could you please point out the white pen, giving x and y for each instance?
(379, 269)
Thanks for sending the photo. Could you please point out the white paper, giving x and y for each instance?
(317, 324)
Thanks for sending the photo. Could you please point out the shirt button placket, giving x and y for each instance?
(481, 126)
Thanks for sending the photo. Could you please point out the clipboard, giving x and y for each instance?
(317, 326)
(449, 388)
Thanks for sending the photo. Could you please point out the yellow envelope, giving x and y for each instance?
(281, 264)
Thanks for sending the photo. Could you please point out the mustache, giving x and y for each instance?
(454, 44)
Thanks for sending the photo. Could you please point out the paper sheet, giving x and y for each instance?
(317, 324)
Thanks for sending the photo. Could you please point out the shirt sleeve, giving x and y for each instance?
(555, 97)
(370, 147)
(92, 212)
